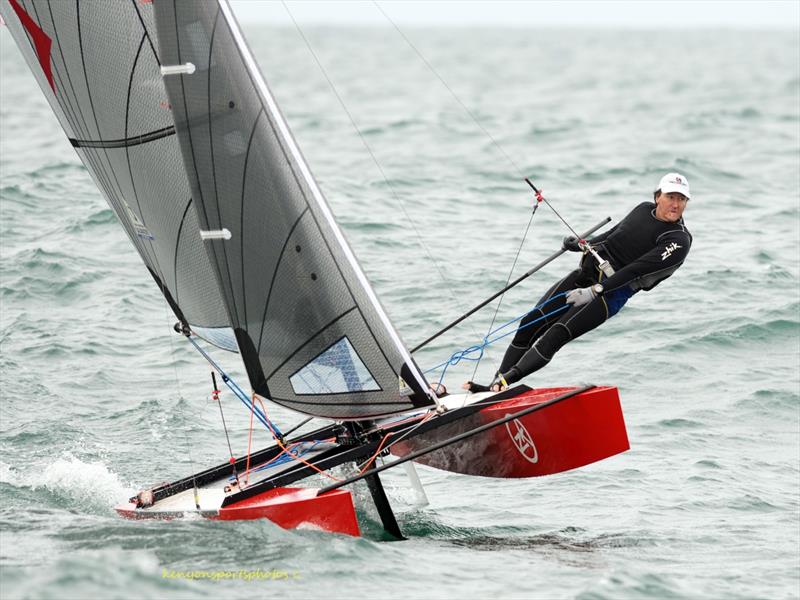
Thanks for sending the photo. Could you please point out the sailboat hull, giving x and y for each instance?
(287, 507)
(578, 431)
(566, 431)
(293, 508)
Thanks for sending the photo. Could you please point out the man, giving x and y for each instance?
(643, 249)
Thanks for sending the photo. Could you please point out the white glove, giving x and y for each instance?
(580, 296)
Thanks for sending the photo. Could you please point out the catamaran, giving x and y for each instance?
(165, 105)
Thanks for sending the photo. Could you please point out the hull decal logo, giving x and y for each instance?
(523, 440)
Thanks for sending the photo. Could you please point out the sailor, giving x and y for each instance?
(643, 249)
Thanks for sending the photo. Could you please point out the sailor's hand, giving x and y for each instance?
(580, 296)
(571, 244)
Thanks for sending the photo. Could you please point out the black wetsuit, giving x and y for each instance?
(643, 251)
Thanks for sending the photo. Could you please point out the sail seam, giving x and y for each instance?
(146, 33)
(161, 279)
(241, 217)
(178, 245)
(127, 118)
(101, 175)
(62, 88)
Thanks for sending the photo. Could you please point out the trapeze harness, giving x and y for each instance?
(643, 252)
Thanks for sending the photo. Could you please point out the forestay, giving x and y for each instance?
(98, 66)
(309, 327)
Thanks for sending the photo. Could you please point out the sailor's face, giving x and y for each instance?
(670, 207)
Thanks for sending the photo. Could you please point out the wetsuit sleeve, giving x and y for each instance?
(602, 237)
(655, 265)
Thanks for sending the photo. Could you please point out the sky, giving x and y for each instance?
(638, 14)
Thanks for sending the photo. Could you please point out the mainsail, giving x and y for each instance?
(168, 111)
(98, 66)
(311, 332)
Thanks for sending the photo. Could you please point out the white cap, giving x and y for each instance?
(674, 182)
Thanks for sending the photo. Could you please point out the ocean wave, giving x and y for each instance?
(26, 287)
(766, 401)
(751, 503)
(634, 584)
(391, 126)
(73, 482)
(97, 218)
(681, 424)
(779, 329)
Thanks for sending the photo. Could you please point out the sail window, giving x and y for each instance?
(337, 370)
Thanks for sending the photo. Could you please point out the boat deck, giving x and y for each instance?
(211, 495)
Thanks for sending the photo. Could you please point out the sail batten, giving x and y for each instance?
(126, 141)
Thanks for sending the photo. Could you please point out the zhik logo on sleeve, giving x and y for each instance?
(670, 248)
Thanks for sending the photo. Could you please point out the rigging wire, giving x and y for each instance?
(285, 449)
(497, 145)
(449, 89)
(180, 396)
(541, 198)
(464, 354)
(215, 396)
(367, 463)
(391, 187)
(502, 296)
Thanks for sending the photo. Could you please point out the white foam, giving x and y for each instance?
(90, 483)
(6, 476)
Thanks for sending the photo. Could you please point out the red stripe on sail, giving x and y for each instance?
(41, 41)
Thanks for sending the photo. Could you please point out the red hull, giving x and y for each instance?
(566, 435)
(289, 508)
(295, 507)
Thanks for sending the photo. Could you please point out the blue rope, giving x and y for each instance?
(466, 353)
(238, 392)
(286, 457)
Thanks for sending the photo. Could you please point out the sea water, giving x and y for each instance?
(100, 398)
